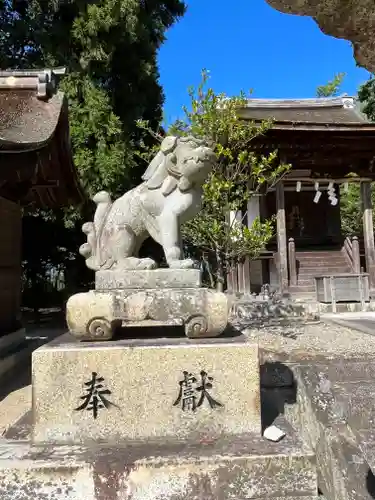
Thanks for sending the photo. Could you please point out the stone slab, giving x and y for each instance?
(146, 279)
(12, 339)
(276, 374)
(16, 358)
(150, 395)
(334, 413)
(245, 467)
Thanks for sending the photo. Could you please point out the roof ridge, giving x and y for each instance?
(43, 82)
(310, 102)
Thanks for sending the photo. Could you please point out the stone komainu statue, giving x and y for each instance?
(170, 195)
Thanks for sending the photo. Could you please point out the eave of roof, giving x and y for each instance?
(316, 114)
(26, 122)
(34, 126)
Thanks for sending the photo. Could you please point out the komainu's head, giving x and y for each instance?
(183, 162)
(194, 162)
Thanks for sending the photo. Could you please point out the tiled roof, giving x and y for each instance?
(27, 122)
(35, 150)
(30, 108)
(319, 113)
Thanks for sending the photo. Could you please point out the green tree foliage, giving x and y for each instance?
(350, 210)
(332, 88)
(109, 48)
(350, 201)
(366, 95)
(238, 175)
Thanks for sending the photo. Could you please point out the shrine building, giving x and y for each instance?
(328, 142)
(36, 169)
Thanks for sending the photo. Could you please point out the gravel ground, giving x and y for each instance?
(296, 341)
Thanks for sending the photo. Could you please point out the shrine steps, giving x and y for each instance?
(316, 263)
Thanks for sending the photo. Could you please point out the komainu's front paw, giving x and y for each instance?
(183, 264)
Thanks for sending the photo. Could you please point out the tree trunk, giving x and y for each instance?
(220, 272)
(207, 264)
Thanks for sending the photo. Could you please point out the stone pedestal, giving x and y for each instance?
(174, 419)
(148, 279)
(246, 467)
(134, 390)
(160, 297)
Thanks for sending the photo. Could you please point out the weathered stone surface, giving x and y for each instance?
(15, 355)
(352, 20)
(94, 315)
(11, 339)
(44, 479)
(146, 279)
(145, 378)
(276, 374)
(245, 467)
(170, 195)
(264, 310)
(335, 415)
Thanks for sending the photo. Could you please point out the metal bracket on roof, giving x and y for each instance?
(47, 82)
(348, 102)
(43, 81)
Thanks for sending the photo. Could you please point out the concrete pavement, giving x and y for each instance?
(361, 321)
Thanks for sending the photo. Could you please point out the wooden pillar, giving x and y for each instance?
(241, 283)
(246, 276)
(10, 265)
(292, 262)
(234, 276)
(368, 231)
(281, 237)
(254, 275)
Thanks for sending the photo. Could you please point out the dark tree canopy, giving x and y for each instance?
(366, 95)
(109, 48)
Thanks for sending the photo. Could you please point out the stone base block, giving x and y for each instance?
(334, 415)
(94, 315)
(132, 390)
(12, 340)
(246, 468)
(141, 280)
(15, 353)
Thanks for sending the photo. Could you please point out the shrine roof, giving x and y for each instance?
(331, 113)
(35, 152)
(27, 122)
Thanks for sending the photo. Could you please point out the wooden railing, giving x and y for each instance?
(352, 254)
(292, 262)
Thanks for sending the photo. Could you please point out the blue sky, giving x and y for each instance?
(248, 45)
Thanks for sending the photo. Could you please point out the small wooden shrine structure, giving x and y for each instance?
(36, 168)
(325, 140)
